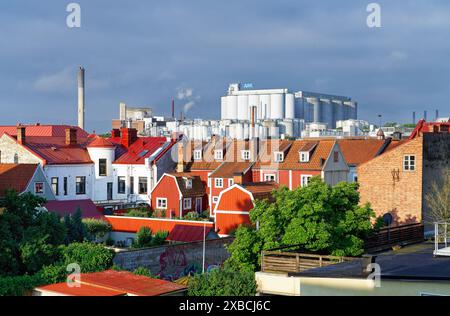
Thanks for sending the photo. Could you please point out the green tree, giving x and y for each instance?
(96, 228)
(223, 282)
(438, 200)
(317, 218)
(76, 229)
(143, 238)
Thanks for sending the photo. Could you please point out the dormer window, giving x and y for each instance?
(188, 183)
(304, 156)
(197, 155)
(279, 156)
(245, 154)
(218, 154)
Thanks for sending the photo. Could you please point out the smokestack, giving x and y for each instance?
(437, 115)
(173, 108)
(425, 115)
(414, 118)
(81, 98)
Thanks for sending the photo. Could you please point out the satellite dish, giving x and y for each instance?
(388, 219)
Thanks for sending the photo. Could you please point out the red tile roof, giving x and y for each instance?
(44, 130)
(228, 169)
(87, 207)
(198, 188)
(188, 233)
(358, 151)
(142, 148)
(119, 283)
(15, 177)
(261, 190)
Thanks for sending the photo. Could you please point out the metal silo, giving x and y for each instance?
(338, 110)
(223, 108)
(287, 128)
(327, 113)
(277, 106)
(265, 106)
(290, 106)
(299, 108)
(242, 107)
(317, 113)
(232, 104)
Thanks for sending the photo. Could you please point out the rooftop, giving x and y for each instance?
(15, 177)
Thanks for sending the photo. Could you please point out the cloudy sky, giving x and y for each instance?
(146, 52)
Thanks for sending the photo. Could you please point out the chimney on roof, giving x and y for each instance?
(180, 159)
(129, 136)
(238, 178)
(21, 134)
(115, 132)
(254, 148)
(173, 108)
(81, 98)
(71, 136)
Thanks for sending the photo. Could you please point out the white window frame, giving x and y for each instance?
(276, 156)
(217, 181)
(245, 154)
(188, 183)
(270, 175)
(215, 199)
(187, 204)
(408, 163)
(304, 156)
(158, 203)
(43, 187)
(302, 180)
(197, 155)
(218, 154)
(230, 182)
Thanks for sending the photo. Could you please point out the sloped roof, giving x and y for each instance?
(43, 130)
(188, 233)
(357, 151)
(198, 188)
(228, 169)
(15, 177)
(319, 155)
(87, 207)
(261, 190)
(82, 290)
(121, 282)
(142, 148)
(208, 162)
(100, 142)
(267, 150)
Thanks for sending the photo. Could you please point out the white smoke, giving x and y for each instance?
(187, 95)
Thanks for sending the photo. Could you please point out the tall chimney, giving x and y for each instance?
(437, 115)
(81, 98)
(173, 108)
(128, 136)
(414, 118)
(425, 115)
(21, 134)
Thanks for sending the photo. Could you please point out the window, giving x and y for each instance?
(218, 182)
(304, 156)
(16, 158)
(142, 185)
(245, 154)
(218, 154)
(188, 183)
(355, 178)
(65, 186)
(80, 185)
(230, 182)
(279, 156)
(336, 156)
(269, 177)
(305, 180)
(409, 163)
(121, 185)
(102, 167)
(187, 204)
(197, 155)
(131, 185)
(39, 188)
(215, 199)
(161, 203)
(55, 185)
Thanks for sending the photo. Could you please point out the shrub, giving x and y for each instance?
(143, 271)
(223, 282)
(96, 228)
(19, 285)
(159, 238)
(76, 229)
(138, 213)
(90, 257)
(54, 273)
(143, 238)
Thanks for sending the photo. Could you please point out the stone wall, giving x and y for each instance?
(172, 262)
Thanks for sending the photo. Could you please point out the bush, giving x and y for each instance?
(223, 282)
(19, 285)
(143, 271)
(76, 229)
(96, 228)
(90, 257)
(159, 238)
(143, 238)
(138, 213)
(54, 273)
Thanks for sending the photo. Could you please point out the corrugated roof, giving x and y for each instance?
(43, 130)
(82, 290)
(15, 177)
(101, 142)
(142, 148)
(185, 233)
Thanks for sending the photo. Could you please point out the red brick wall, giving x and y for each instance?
(403, 198)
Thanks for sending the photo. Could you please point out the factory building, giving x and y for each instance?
(282, 109)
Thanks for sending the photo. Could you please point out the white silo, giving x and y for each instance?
(253, 100)
(317, 111)
(242, 107)
(299, 108)
(347, 110)
(232, 104)
(290, 106)
(277, 106)
(223, 108)
(274, 132)
(338, 110)
(246, 131)
(287, 128)
(265, 106)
